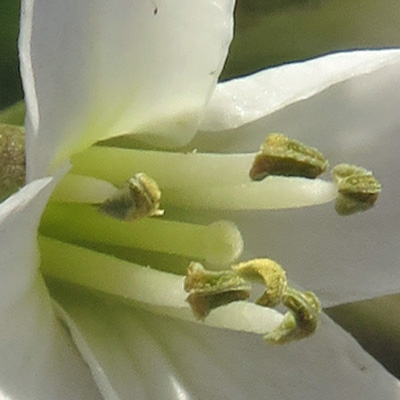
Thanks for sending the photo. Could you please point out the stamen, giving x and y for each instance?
(280, 155)
(108, 274)
(159, 291)
(138, 198)
(218, 243)
(272, 193)
(358, 189)
(204, 181)
(210, 290)
(273, 276)
(302, 319)
(304, 307)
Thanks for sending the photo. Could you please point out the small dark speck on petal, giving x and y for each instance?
(155, 11)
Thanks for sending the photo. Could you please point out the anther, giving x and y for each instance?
(280, 155)
(138, 198)
(272, 275)
(209, 290)
(300, 321)
(358, 189)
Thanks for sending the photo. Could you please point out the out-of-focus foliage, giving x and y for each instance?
(271, 32)
(268, 32)
(10, 87)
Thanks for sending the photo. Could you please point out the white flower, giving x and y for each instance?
(98, 69)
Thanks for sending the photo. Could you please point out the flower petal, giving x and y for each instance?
(93, 70)
(240, 101)
(38, 360)
(136, 354)
(343, 259)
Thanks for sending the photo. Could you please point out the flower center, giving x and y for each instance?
(103, 226)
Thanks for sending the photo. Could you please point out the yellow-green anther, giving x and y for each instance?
(12, 159)
(342, 171)
(358, 189)
(139, 197)
(304, 307)
(209, 290)
(300, 321)
(280, 155)
(271, 273)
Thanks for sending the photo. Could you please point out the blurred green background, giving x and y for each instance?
(267, 32)
(10, 87)
(271, 32)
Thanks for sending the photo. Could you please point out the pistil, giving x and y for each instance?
(218, 243)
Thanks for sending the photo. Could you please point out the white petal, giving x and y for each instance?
(342, 258)
(37, 359)
(139, 355)
(96, 69)
(240, 101)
